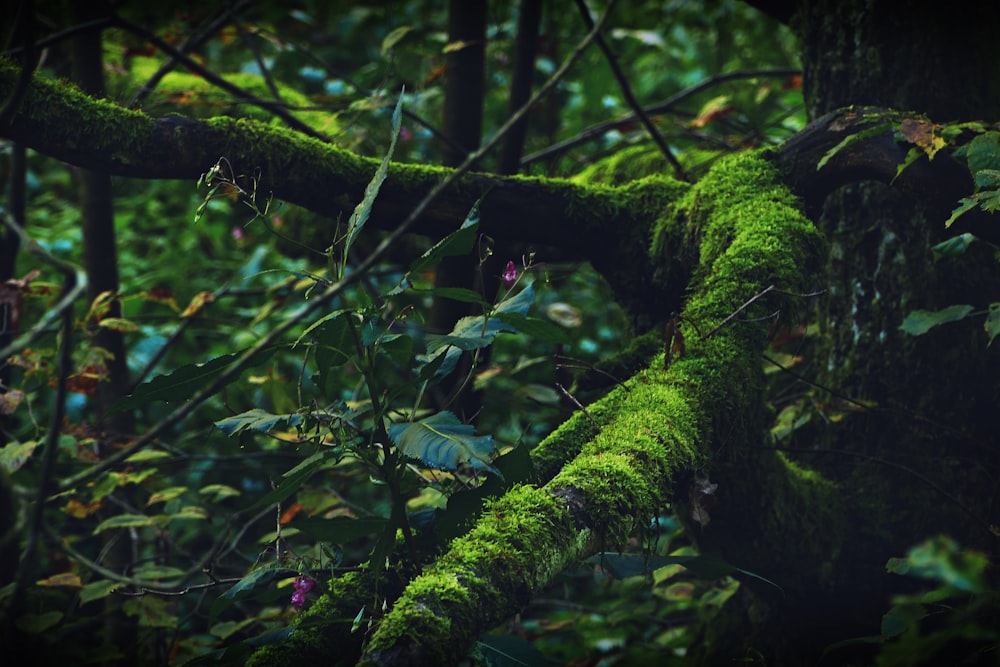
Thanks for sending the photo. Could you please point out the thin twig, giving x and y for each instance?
(190, 44)
(600, 129)
(738, 311)
(577, 403)
(277, 109)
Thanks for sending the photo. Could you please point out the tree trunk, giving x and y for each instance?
(922, 459)
(100, 261)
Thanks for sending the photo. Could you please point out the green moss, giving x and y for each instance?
(190, 95)
(50, 102)
(522, 540)
(626, 165)
(326, 626)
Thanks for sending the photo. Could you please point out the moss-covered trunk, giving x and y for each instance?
(922, 460)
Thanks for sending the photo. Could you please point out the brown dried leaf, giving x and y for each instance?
(701, 495)
(199, 300)
(923, 134)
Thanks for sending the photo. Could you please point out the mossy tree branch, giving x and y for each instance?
(651, 435)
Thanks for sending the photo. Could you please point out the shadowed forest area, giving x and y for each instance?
(499, 334)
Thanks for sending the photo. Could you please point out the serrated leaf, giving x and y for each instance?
(443, 442)
(965, 204)
(256, 419)
(983, 152)
(920, 322)
(184, 382)
(987, 178)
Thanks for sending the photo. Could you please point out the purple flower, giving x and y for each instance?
(509, 275)
(302, 586)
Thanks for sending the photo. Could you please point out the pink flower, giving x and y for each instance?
(302, 586)
(509, 275)
(238, 233)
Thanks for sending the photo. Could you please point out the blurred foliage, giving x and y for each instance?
(280, 474)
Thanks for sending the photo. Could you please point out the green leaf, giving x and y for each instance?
(965, 204)
(912, 156)
(256, 419)
(220, 491)
(852, 139)
(442, 442)
(983, 152)
(705, 566)
(247, 585)
(340, 529)
(98, 590)
(988, 178)
(36, 624)
(399, 348)
(471, 333)
(152, 572)
(394, 37)
(992, 324)
(920, 322)
(457, 294)
(463, 507)
(537, 328)
(184, 382)
(148, 455)
(125, 521)
(459, 242)
(13, 455)
(164, 495)
(295, 478)
(364, 208)
(953, 247)
(509, 651)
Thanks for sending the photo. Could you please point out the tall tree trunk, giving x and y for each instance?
(100, 261)
(463, 123)
(923, 459)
